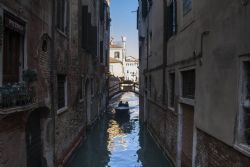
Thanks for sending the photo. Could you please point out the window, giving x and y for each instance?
(62, 15)
(101, 51)
(171, 89)
(92, 86)
(171, 19)
(188, 84)
(81, 91)
(106, 57)
(13, 57)
(61, 91)
(117, 55)
(84, 29)
(187, 6)
(244, 117)
(144, 8)
(150, 85)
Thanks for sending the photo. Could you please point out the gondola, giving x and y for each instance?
(122, 109)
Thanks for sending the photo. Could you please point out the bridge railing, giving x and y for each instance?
(123, 87)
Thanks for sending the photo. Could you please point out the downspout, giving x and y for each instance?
(164, 53)
(52, 95)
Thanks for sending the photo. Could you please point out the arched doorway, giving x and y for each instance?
(39, 129)
(33, 140)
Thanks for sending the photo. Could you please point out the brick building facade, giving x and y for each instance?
(52, 77)
(194, 66)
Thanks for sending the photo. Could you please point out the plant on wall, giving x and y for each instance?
(29, 76)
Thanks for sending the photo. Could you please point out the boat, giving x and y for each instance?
(122, 109)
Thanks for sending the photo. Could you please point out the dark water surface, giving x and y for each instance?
(119, 142)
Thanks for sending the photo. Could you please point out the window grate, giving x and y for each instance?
(188, 84)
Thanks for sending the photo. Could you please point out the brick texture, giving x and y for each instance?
(163, 123)
(214, 153)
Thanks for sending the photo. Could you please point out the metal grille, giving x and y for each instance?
(188, 84)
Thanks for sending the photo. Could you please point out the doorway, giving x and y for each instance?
(187, 135)
(33, 140)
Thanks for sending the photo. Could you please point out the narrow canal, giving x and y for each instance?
(119, 142)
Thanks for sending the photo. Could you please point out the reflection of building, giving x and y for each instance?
(195, 66)
(131, 69)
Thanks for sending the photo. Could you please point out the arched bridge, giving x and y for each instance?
(125, 86)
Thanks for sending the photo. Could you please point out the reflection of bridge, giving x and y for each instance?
(125, 86)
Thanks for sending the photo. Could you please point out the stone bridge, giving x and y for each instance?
(125, 86)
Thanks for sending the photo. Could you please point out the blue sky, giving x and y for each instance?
(124, 23)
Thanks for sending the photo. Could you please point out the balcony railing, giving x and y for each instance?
(14, 95)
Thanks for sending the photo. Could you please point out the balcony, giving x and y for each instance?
(16, 98)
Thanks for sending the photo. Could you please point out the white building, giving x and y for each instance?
(116, 67)
(120, 65)
(131, 69)
(117, 58)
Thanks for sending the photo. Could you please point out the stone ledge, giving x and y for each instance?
(12, 110)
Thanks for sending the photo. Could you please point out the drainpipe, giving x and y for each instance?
(52, 65)
(164, 53)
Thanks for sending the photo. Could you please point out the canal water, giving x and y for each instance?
(119, 142)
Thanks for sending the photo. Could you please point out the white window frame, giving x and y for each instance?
(183, 100)
(239, 144)
(65, 108)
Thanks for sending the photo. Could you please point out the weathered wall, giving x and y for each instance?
(12, 141)
(211, 39)
(37, 18)
(214, 153)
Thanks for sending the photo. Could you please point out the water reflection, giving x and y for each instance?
(119, 142)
